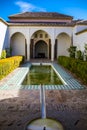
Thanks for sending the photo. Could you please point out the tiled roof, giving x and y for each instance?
(40, 15)
(82, 22)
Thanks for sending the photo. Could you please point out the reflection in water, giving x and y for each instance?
(44, 124)
(41, 75)
(44, 128)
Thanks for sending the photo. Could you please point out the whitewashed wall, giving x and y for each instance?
(53, 32)
(18, 44)
(63, 43)
(3, 29)
(28, 32)
(80, 27)
(81, 41)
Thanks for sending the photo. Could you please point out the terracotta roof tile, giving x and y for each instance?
(40, 15)
(82, 22)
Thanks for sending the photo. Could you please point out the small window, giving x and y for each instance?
(46, 35)
(35, 35)
(41, 35)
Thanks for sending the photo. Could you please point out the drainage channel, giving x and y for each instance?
(44, 123)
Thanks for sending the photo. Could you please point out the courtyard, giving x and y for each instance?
(55, 39)
(20, 106)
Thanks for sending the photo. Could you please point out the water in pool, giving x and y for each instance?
(41, 75)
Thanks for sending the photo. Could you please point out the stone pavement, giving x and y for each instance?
(18, 107)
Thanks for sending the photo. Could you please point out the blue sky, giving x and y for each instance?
(75, 8)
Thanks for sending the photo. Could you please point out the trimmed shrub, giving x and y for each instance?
(74, 65)
(9, 64)
(3, 54)
(72, 51)
(8, 52)
(79, 55)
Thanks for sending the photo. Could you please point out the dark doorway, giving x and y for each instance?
(41, 49)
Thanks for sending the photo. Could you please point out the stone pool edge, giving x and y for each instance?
(69, 82)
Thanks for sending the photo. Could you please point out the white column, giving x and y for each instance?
(28, 49)
(33, 50)
(52, 50)
(47, 42)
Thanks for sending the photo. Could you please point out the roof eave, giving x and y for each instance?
(82, 31)
(3, 21)
(27, 24)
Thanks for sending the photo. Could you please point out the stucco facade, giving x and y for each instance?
(3, 33)
(39, 38)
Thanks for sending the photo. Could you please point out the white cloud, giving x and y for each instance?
(25, 6)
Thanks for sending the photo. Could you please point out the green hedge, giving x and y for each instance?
(9, 64)
(74, 65)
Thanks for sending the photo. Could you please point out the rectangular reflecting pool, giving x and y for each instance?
(41, 74)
